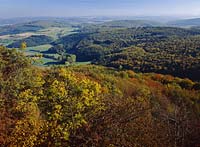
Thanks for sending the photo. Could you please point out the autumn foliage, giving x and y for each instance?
(94, 106)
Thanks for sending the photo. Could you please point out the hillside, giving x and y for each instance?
(130, 23)
(185, 22)
(38, 33)
(20, 20)
(50, 23)
(165, 50)
(34, 40)
(33, 26)
(94, 106)
(19, 28)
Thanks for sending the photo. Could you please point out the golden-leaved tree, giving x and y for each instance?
(42, 108)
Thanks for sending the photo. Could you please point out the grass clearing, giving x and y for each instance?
(40, 48)
(56, 32)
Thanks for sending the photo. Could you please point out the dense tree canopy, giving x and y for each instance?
(94, 106)
(163, 50)
(31, 41)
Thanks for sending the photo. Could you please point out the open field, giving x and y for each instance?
(82, 63)
(56, 32)
(31, 51)
(38, 49)
(47, 59)
(45, 62)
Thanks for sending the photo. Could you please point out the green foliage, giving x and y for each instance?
(164, 50)
(130, 24)
(19, 28)
(71, 58)
(31, 41)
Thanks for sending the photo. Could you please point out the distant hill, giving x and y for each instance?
(19, 28)
(32, 26)
(23, 20)
(12, 21)
(185, 22)
(33, 40)
(49, 23)
(131, 23)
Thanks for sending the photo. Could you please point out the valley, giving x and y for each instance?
(49, 31)
(139, 45)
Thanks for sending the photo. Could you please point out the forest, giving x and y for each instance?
(34, 40)
(92, 105)
(165, 50)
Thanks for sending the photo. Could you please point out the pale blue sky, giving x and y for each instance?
(22, 8)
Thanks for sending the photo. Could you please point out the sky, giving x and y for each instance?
(66, 8)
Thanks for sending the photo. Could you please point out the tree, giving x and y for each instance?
(71, 58)
(23, 46)
(65, 105)
(120, 67)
